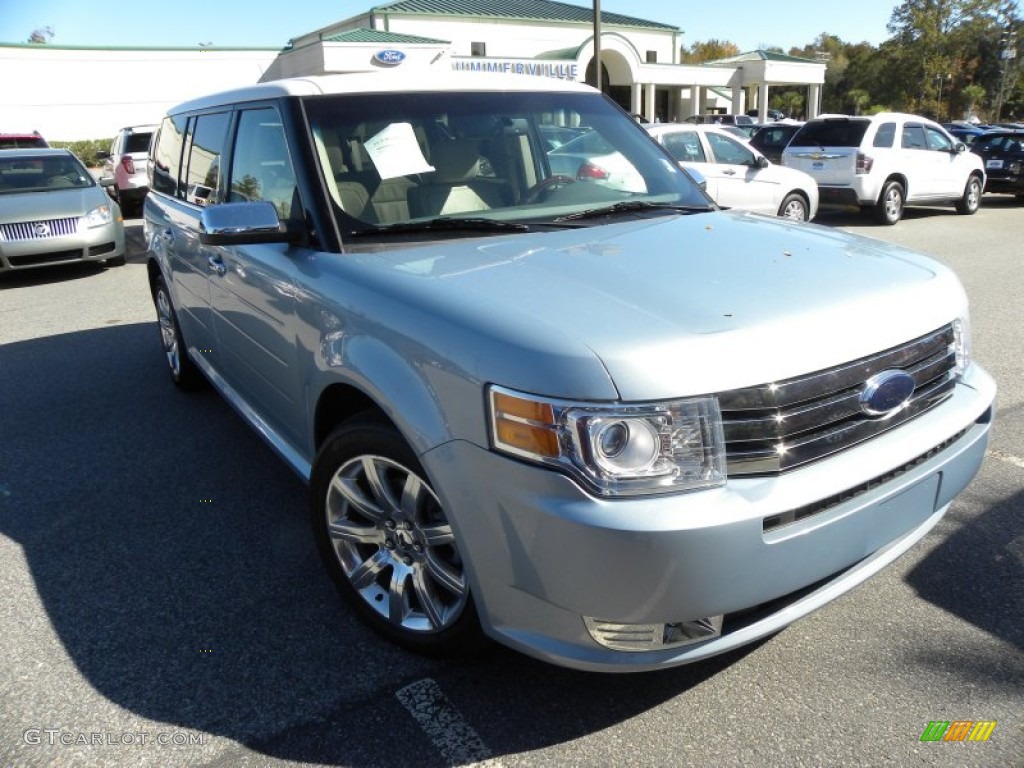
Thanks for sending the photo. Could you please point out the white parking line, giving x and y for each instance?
(454, 738)
(1009, 458)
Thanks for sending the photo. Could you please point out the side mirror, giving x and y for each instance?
(960, 147)
(102, 154)
(760, 161)
(241, 223)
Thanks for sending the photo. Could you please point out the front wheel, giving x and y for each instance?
(889, 208)
(387, 541)
(794, 207)
(969, 203)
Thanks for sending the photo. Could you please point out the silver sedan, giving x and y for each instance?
(52, 211)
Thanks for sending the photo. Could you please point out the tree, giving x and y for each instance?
(972, 95)
(935, 38)
(859, 98)
(40, 36)
(710, 50)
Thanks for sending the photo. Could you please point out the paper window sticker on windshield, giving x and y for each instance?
(395, 152)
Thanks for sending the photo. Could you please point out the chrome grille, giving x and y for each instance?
(38, 230)
(776, 427)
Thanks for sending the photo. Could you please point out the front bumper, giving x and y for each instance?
(1013, 185)
(97, 244)
(543, 556)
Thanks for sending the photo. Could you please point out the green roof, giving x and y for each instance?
(364, 35)
(764, 56)
(520, 10)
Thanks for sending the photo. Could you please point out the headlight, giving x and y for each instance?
(615, 449)
(99, 216)
(962, 344)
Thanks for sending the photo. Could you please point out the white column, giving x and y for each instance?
(634, 100)
(812, 102)
(696, 100)
(737, 100)
(649, 106)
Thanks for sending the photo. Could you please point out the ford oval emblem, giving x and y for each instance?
(886, 393)
(389, 57)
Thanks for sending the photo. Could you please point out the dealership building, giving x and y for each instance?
(82, 93)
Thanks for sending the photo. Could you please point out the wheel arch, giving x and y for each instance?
(902, 179)
(374, 378)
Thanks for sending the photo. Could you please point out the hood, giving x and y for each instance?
(51, 204)
(682, 305)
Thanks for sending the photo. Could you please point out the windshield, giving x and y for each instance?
(503, 156)
(41, 173)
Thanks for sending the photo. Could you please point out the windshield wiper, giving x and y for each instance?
(444, 224)
(629, 206)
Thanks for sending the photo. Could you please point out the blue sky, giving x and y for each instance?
(270, 23)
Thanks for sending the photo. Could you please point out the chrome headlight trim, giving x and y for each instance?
(614, 449)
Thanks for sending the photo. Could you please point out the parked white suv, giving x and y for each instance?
(126, 167)
(886, 161)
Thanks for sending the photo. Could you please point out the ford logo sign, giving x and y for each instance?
(886, 393)
(389, 57)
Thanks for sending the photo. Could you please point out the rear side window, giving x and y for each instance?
(165, 169)
(885, 136)
(831, 133)
(205, 147)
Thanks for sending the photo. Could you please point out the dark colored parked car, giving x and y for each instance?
(772, 138)
(965, 132)
(773, 114)
(1003, 153)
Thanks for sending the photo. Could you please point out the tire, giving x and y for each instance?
(889, 208)
(185, 374)
(794, 207)
(969, 203)
(387, 542)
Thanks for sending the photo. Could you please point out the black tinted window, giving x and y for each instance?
(137, 142)
(886, 135)
(831, 133)
(166, 166)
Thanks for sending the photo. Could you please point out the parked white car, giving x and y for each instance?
(738, 176)
(885, 162)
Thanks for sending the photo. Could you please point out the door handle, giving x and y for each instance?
(217, 265)
(729, 172)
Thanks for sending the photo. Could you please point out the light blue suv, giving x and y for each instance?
(614, 428)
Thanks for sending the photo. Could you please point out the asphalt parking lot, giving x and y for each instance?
(164, 604)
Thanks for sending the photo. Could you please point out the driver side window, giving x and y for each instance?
(727, 150)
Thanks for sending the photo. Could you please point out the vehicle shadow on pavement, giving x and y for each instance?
(977, 572)
(171, 551)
